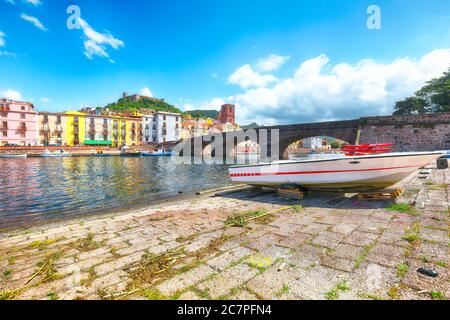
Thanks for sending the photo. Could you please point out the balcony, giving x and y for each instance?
(59, 128)
(5, 108)
(45, 127)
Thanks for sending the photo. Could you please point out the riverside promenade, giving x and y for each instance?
(249, 244)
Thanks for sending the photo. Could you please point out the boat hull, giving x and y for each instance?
(363, 173)
(63, 155)
(162, 154)
(13, 155)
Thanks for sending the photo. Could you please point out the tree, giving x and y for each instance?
(433, 97)
(411, 105)
(437, 93)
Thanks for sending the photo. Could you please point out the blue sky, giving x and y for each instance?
(198, 54)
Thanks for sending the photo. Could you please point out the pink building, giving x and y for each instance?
(18, 123)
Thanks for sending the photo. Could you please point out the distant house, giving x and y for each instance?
(313, 143)
(18, 121)
(160, 127)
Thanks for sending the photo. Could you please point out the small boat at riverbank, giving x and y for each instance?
(59, 154)
(366, 172)
(10, 155)
(159, 153)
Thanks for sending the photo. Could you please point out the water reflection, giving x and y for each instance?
(35, 189)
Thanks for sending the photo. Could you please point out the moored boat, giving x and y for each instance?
(11, 155)
(159, 153)
(367, 172)
(59, 154)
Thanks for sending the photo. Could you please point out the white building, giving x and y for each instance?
(161, 127)
(313, 143)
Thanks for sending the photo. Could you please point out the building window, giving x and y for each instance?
(105, 137)
(22, 116)
(46, 119)
(4, 133)
(22, 108)
(58, 119)
(164, 118)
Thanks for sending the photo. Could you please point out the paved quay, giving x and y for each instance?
(250, 244)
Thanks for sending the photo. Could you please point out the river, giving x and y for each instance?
(37, 190)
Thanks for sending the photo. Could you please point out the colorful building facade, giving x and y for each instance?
(18, 123)
(73, 128)
(51, 129)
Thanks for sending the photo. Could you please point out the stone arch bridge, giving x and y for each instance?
(406, 132)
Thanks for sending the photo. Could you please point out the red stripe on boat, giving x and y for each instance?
(233, 175)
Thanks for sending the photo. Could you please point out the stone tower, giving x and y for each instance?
(227, 113)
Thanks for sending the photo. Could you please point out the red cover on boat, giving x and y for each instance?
(364, 149)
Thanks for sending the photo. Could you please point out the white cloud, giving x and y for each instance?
(2, 39)
(96, 43)
(11, 94)
(33, 20)
(246, 77)
(319, 91)
(271, 62)
(46, 100)
(214, 75)
(34, 2)
(146, 92)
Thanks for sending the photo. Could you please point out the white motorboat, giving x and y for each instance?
(59, 154)
(350, 173)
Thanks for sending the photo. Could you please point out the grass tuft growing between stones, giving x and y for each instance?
(412, 234)
(43, 244)
(259, 262)
(10, 294)
(87, 243)
(241, 220)
(363, 255)
(333, 294)
(153, 294)
(437, 295)
(47, 269)
(403, 208)
(402, 268)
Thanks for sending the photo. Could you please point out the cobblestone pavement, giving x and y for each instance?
(321, 247)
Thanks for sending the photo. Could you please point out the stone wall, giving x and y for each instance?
(408, 132)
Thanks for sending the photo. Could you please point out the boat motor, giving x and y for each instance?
(442, 163)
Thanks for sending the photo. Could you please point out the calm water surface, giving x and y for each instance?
(34, 190)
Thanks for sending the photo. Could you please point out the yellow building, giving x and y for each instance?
(75, 129)
(126, 131)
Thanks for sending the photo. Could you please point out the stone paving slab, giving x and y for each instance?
(335, 247)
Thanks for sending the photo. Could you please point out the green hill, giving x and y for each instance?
(251, 126)
(204, 114)
(130, 105)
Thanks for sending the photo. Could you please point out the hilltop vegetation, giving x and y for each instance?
(130, 105)
(433, 97)
(203, 114)
(253, 125)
